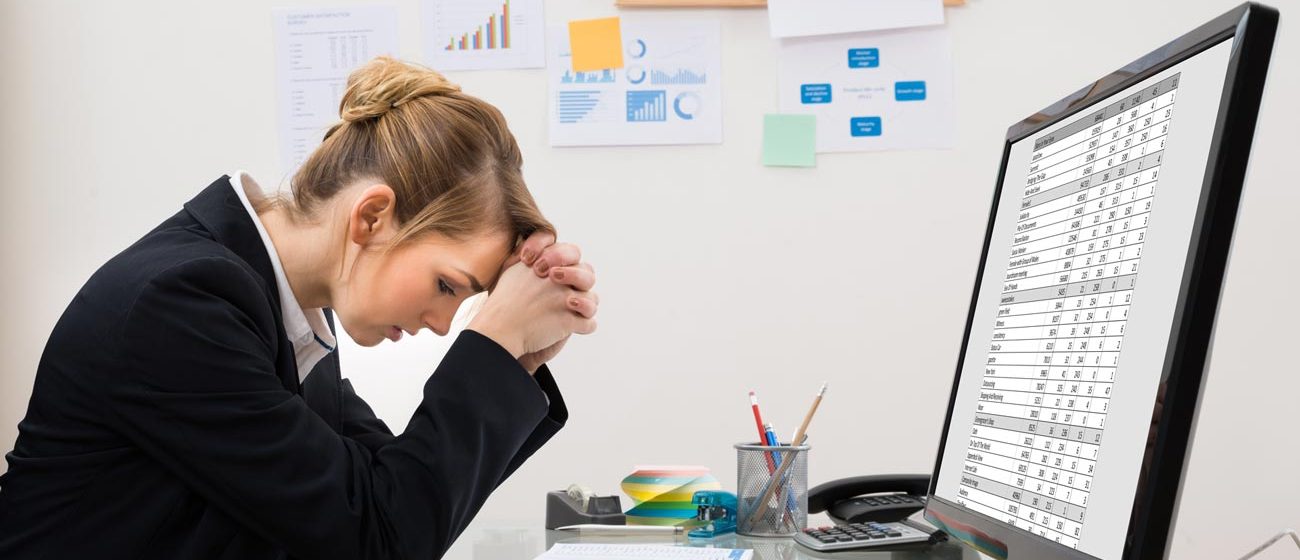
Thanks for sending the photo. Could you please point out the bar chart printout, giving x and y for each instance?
(1058, 335)
(484, 34)
(497, 34)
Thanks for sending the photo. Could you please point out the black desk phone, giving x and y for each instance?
(877, 498)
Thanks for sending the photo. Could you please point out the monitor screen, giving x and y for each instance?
(1053, 409)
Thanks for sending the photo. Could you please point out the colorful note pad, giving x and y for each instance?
(790, 140)
(597, 44)
(662, 494)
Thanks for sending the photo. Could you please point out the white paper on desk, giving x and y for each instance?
(881, 90)
(669, 90)
(509, 33)
(799, 18)
(315, 49)
(593, 551)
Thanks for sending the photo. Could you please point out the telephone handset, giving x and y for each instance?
(878, 498)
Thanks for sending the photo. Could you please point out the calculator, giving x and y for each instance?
(869, 534)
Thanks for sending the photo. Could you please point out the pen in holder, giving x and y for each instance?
(785, 489)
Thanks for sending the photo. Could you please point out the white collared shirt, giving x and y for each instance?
(306, 328)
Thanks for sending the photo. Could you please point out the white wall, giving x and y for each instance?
(717, 275)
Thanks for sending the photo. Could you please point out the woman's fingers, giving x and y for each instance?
(577, 277)
(582, 325)
(535, 246)
(583, 303)
(559, 254)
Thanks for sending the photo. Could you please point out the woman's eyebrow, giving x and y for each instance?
(473, 282)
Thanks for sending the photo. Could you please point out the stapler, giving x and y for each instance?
(717, 510)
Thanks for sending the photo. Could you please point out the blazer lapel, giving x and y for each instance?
(219, 210)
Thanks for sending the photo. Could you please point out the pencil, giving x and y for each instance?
(758, 417)
(817, 401)
(762, 432)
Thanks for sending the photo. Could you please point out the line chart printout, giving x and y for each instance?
(1058, 334)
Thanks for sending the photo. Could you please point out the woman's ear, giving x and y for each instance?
(373, 217)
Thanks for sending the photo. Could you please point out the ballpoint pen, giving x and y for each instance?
(790, 505)
(624, 529)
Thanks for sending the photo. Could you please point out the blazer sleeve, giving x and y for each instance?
(360, 422)
(556, 416)
(200, 394)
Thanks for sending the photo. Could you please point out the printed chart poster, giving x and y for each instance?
(872, 91)
(483, 34)
(668, 91)
(315, 50)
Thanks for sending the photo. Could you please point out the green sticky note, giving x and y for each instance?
(790, 140)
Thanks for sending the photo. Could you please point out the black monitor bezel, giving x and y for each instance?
(1252, 27)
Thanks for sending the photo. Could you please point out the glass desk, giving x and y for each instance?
(522, 540)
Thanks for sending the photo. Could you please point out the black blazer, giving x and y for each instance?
(167, 421)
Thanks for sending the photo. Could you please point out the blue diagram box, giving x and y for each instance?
(864, 126)
(864, 58)
(909, 91)
(815, 93)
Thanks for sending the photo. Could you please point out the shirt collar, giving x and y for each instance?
(306, 328)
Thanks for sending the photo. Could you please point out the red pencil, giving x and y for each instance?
(758, 418)
(762, 433)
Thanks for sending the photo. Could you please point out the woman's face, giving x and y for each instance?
(418, 284)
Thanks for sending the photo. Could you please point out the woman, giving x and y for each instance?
(189, 404)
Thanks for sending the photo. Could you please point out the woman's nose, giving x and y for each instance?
(438, 326)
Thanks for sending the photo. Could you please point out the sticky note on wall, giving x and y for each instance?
(790, 140)
(597, 44)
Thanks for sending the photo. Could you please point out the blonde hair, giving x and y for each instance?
(448, 156)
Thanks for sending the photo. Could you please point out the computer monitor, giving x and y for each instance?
(1083, 353)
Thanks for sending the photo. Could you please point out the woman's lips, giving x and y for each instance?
(394, 333)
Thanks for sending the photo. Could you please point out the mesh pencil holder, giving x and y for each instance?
(772, 489)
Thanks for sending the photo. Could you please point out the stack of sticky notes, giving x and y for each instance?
(662, 494)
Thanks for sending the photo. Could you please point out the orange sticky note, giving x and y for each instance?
(596, 44)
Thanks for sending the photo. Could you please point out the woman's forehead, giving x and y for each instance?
(478, 256)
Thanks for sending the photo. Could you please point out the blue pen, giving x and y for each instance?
(770, 435)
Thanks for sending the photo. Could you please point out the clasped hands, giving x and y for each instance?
(542, 297)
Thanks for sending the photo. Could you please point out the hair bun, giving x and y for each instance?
(385, 83)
